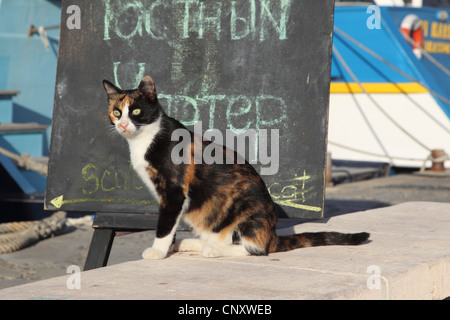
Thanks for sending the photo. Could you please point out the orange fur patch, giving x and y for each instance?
(196, 218)
(126, 101)
(189, 176)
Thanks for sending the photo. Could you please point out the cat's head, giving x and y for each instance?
(129, 110)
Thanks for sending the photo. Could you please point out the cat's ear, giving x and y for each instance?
(147, 88)
(111, 90)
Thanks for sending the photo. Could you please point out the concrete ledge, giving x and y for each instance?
(407, 257)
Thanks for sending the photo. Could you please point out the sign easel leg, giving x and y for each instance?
(99, 250)
(106, 225)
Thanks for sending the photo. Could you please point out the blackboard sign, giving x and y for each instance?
(256, 67)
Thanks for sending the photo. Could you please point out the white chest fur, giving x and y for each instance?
(139, 144)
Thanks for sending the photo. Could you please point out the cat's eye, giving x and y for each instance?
(136, 112)
(117, 113)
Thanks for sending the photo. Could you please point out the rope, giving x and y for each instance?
(400, 71)
(436, 160)
(18, 235)
(355, 79)
(363, 47)
(26, 161)
(344, 64)
(372, 153)
(14, 226)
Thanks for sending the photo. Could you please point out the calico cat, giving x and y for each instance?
(227, 205)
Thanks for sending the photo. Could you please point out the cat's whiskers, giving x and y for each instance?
(111, 130)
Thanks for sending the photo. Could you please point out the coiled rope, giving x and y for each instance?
(18, 235)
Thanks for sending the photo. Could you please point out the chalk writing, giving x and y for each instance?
(292, 193)
(104, 180)
(253, 19)
(233, 108)
(139, 75)
(240, 111)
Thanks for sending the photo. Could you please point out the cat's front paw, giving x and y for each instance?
(211, 252)
(153, 254)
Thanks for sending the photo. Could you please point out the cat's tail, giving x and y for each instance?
(312, 239)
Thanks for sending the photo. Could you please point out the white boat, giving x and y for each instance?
(390, 96)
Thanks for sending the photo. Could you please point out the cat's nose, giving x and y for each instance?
(124, 125)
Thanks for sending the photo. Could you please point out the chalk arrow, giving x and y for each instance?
(292, 203)
(57, 202)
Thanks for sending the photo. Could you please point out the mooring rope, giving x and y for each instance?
(389, 64)
(375, 103)
(18, 235)
(26, 161)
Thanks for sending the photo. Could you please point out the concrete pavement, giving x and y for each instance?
(407, 257)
